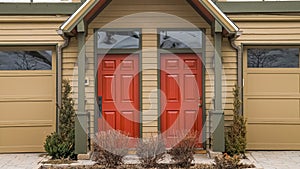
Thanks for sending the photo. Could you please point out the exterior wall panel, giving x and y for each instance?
(149, 22)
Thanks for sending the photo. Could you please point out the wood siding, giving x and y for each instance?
(35, 30)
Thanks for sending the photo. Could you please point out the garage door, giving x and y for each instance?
(272, 98)
(27, 99)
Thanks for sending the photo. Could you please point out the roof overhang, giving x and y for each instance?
(259, 7)
(90, 8)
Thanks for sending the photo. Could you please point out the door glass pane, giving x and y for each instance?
(118, 39)
(273, 58)
(26, 60)
(170, 39)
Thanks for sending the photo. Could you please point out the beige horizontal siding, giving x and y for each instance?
(30, 29)
(268, 29)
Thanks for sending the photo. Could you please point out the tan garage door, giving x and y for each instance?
(272, 98)
(27, 99)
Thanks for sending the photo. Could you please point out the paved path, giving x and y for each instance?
(20, 161)
(262, 159)
(276, 159)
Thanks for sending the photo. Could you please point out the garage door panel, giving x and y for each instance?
(273, 136)
(272, 83)
(23, 139)
(27, 86)
(264, 108)
(26, 111)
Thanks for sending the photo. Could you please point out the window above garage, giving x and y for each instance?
(26, 60)
(273, 57)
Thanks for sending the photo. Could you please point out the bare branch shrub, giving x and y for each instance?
(183, 152)
(150, 151)
(110, 147)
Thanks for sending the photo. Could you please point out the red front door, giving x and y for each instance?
(118, 93)
(181, 90)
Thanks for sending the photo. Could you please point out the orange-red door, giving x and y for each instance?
(181, 90)
(118, 93)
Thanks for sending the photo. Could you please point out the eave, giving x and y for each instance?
(259, 7)
(38, 8)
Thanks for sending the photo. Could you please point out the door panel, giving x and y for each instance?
(118, 85)
(181, 86)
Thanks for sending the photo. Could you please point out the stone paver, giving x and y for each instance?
(20, 161)
(276, 159)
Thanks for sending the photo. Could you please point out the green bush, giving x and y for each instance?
(150, 151)
(62, 145)
(56, 147)
(235, 138)
(183, 152)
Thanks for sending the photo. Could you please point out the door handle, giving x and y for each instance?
(100, 105)
(200, 102)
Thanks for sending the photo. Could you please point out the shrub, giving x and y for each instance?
(110, 147)
(56, 147)
(183, 152)
(150, 151)
(227, 162)
(235, 138)
(62, 145)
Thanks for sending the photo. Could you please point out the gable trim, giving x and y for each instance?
(81, 13)
(219, 16)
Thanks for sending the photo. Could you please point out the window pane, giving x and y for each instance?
(180, 39)
(118, 39)
(273, 58)
(26, 60)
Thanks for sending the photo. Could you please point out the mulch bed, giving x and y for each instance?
(134, 166)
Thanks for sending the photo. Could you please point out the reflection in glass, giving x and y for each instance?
(273, 58)
(118, 39)
(26, 60)
(180, 39)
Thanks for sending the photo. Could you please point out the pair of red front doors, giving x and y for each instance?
(119, 93)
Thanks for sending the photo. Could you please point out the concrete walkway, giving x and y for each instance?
(20, 161)
(276, 159)
(262, 159)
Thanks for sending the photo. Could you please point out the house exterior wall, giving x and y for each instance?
(28, 97)
(265, 121)
(149, 25)
(257, 29)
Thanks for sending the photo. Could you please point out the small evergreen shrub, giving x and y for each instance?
(62, 145)
(183, 152)
(110, 147)
(235, 138)
(150, 151)
(56, 147)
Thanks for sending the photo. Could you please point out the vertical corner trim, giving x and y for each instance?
(81, 127)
